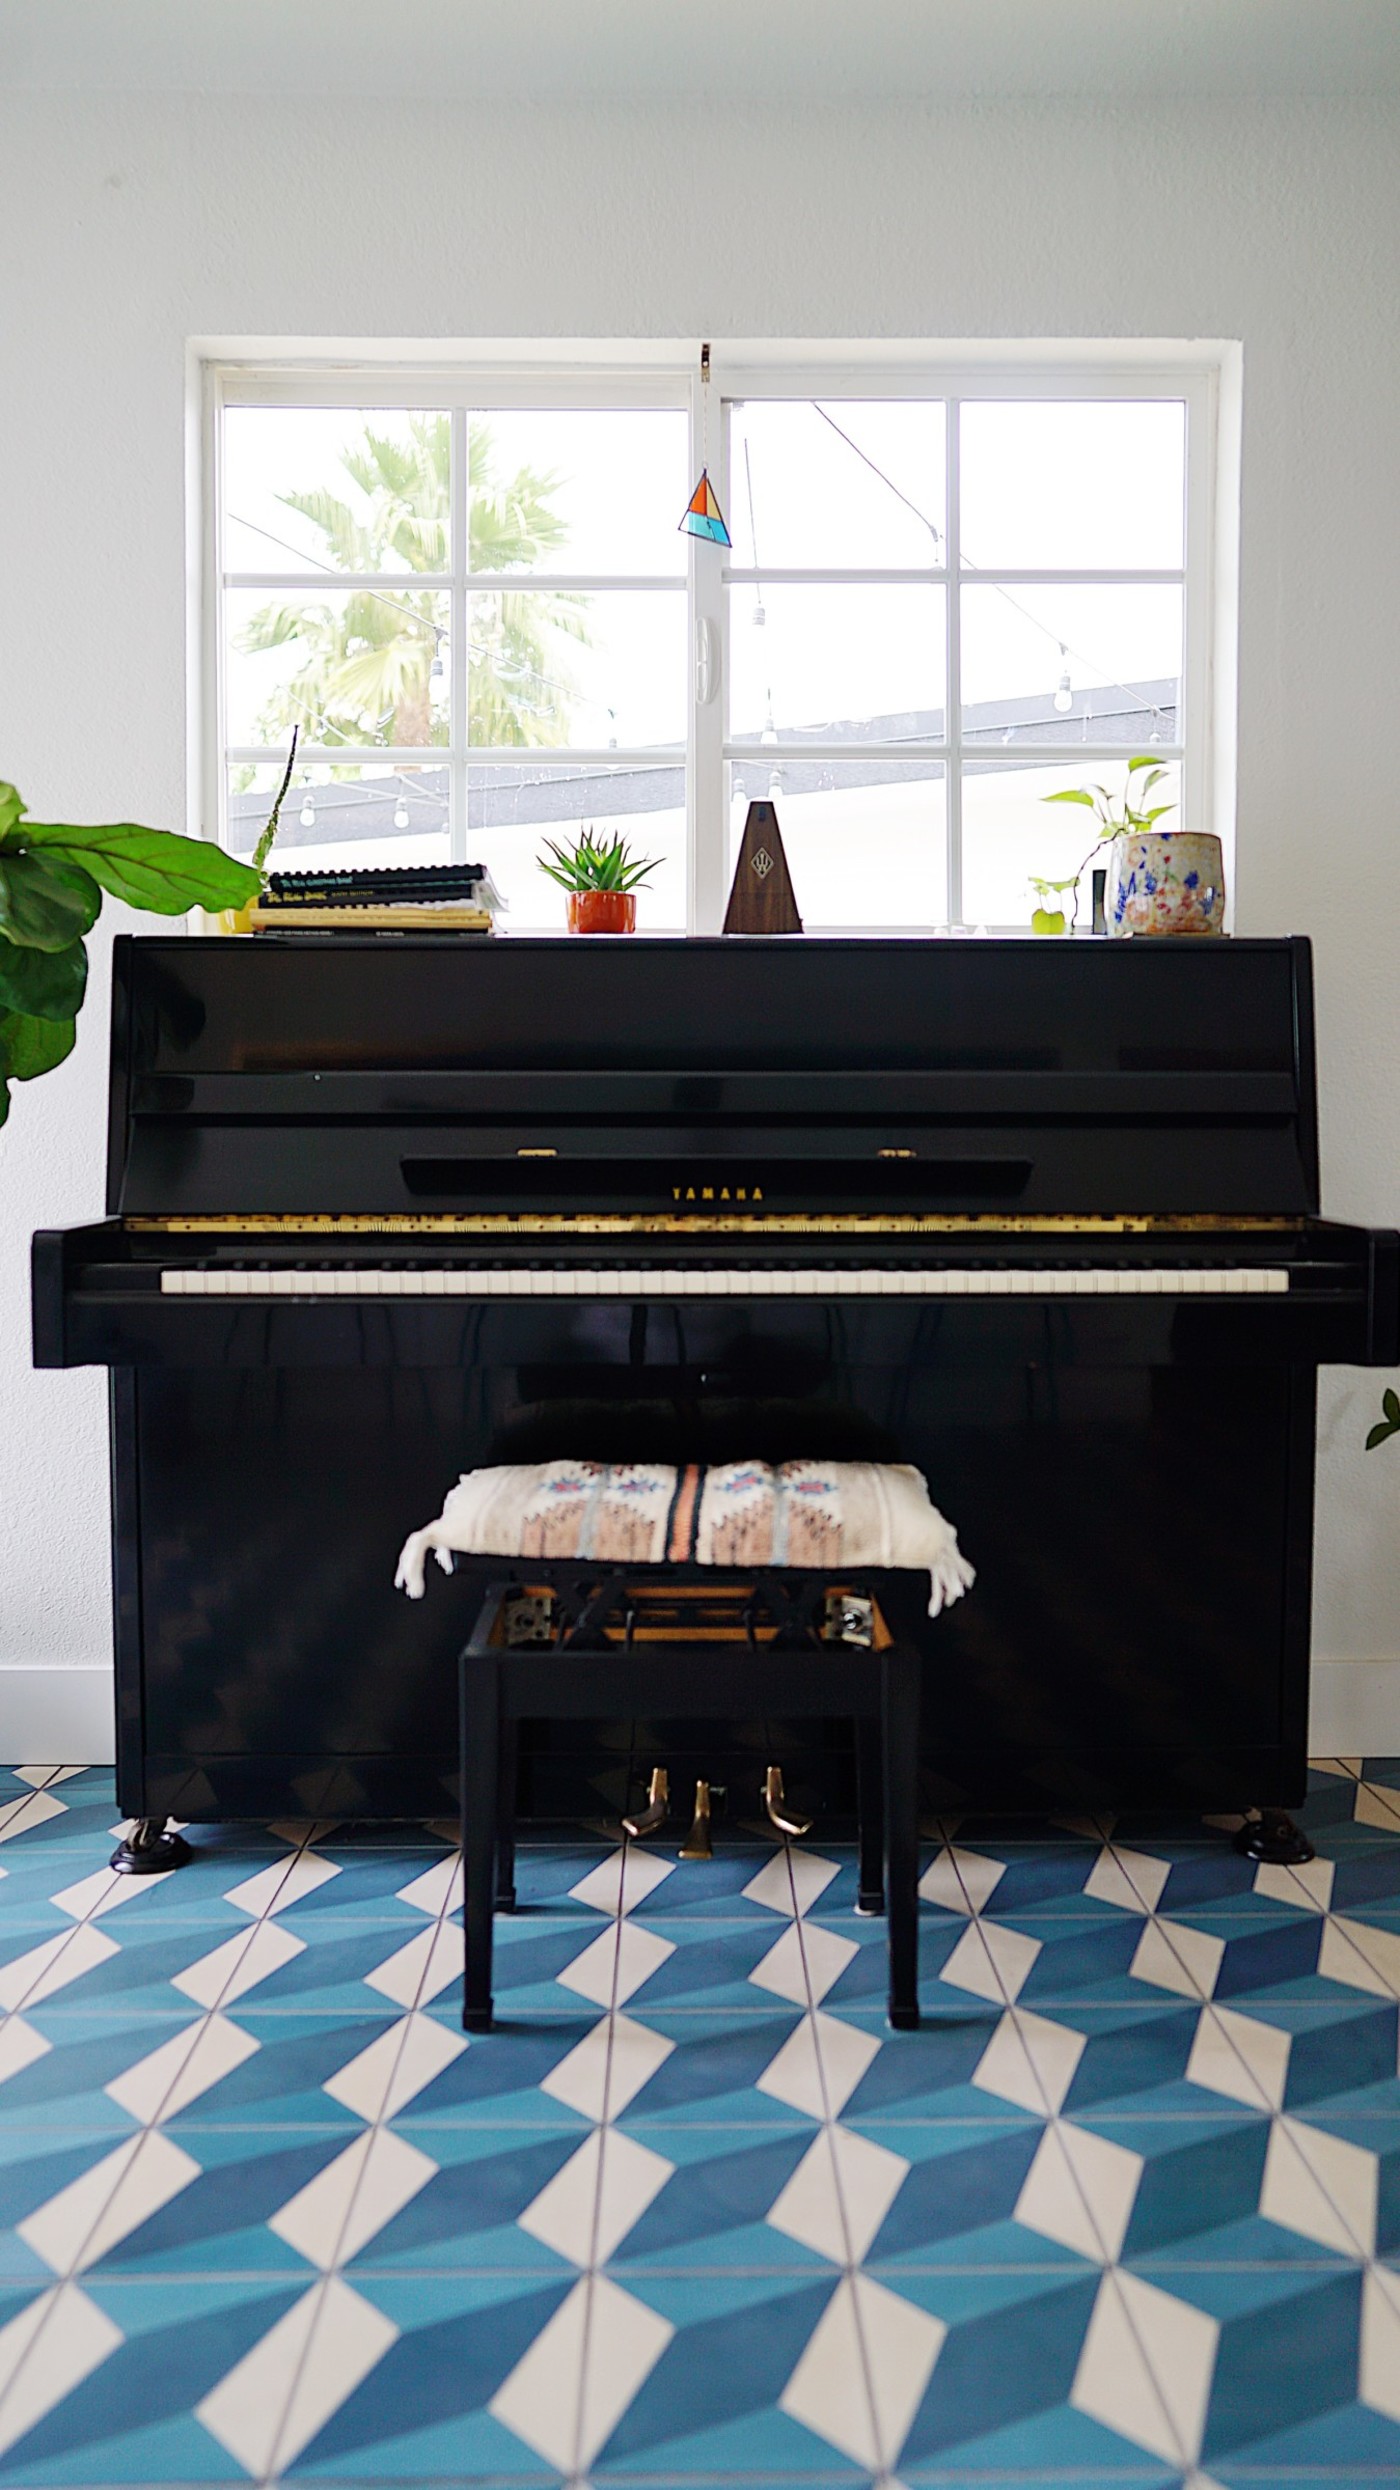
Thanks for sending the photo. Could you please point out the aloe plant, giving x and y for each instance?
(590, 867)
(52, 877)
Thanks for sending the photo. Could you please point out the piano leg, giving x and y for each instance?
(1270, 1835)
(900, 1664)
(481, 1781)
(505, 1815)
(150, 1849)
(870, 1809)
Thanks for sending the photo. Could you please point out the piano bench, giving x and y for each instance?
(703, 1644)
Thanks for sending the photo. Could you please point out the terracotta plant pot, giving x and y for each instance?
(1167, 882)
(602, 912)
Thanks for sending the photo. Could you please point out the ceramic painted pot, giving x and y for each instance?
(1167, 882)
(602, 912)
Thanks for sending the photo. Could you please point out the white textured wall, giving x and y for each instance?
(132, 225)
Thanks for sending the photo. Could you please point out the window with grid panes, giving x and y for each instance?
(941, 604)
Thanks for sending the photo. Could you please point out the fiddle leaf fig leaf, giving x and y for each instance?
(29, 1046)
(156, 869)
(42, 985)
(45, 903)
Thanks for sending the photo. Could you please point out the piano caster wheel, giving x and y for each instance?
(697, 1843)
(656, 1810)
(793, 1828)
(1271, 1836)
(149, 1850)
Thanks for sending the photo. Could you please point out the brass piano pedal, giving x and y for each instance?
(697, 1843)
(775, 1803)
(657, 1809)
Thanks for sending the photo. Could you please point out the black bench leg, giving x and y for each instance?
(870, 1808)
(900, 1664)
(480, 1715)
(509, 1742)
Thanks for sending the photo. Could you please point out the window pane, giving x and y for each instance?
(844, 485)
(833, 665)
(598, 490)
(514, 806)
(335, 488)
(1009, 833)
(1122, 655)
(348, 665)
(554, 667)
(1095, 485)
(377, 816)
(865, 841)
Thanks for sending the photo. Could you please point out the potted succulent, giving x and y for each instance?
(1163, 881)
(601, 883)
(52, 876)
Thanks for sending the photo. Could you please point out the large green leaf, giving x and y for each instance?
(45, 985)
(45, 903)
(29, 1047)
(157, 869)
(11, 809)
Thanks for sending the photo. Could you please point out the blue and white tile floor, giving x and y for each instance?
(1126, 2211)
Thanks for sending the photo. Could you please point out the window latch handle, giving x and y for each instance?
(706, 661)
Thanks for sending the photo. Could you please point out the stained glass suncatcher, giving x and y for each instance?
(703, 515)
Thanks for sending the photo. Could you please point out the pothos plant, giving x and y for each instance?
(1118, 816)
(52, 877)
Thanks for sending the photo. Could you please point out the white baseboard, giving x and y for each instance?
(64, 1716)
(1355, 1708)
(56, 1716)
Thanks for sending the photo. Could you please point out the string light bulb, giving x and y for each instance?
(401, 813)
(1064, 689)
(307, 815)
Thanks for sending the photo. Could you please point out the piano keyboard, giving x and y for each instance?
(366, 1281)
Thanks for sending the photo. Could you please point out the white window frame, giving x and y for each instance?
(572, 375)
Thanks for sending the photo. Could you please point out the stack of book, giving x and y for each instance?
(378, 899)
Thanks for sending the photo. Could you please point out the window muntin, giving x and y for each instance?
(877, 710)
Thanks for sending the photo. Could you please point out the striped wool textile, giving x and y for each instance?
(830, 1515)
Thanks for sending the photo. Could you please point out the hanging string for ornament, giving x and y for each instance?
(703, 515)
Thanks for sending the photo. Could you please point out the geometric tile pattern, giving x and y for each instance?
(1125, 2210)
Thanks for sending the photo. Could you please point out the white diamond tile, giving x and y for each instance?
(35, 1774)
(1132, 1880)
(991, 1960)
(961, 1880)
(1344, 1767)
(45, 2352)
(1361, 1957)
(1079, 2191)
(623, 1880)
(20, 2045)
(1321, 2186)
(617, 1963)
(105, 2204)
(21, 1815)
(608, 2067)
(863, 2374)
(54, 1965)
(1146, 2367)
(423, 1968)
(1172, 1956)
(570, 2390)
(287, 1881)
(285, 2389)
(335, 2215)
(1380, 2342)
(1245, 2059)
(1031, 2061)
(182, 2069)
(839, 2195)
(396, 2067)
(1308, 1886)
(103, 1890)
(600, 2194)
(438, 1890)
(1378, 1806)
(791, 1876)
(241, 1963)
(809, 1953)
(819, 2065)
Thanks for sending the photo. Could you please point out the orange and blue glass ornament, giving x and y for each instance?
(703, 515)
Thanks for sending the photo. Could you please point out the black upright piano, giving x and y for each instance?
(1039, 1217)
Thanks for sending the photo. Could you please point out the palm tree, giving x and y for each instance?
(369, 659)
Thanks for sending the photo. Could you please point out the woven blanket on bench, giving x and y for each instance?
(833, 1516)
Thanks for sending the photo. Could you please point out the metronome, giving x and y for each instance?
(761, 900)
